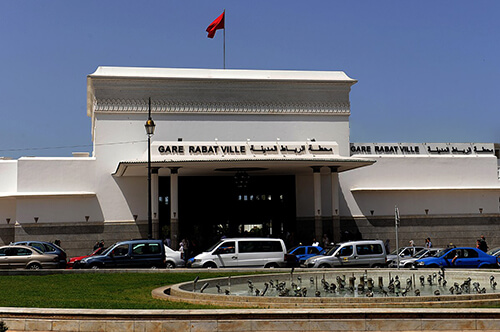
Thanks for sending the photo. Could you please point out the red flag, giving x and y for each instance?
(216, 25)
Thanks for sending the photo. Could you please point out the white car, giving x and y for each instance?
(404, 253)
(173, 258)
(408, 262)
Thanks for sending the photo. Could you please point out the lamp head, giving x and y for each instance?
(150, 127)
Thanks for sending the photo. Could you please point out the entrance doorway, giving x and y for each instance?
(212, 207)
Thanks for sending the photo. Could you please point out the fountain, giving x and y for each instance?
(343, 288)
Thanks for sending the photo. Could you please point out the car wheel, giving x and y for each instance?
(170, 265)
(210, 265)
(409, 265)
(94, 267)
(323, 266)
(271, 266)
(34, 266)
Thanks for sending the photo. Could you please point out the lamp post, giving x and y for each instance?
(150, 130)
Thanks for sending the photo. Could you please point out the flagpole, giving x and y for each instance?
(224, 43)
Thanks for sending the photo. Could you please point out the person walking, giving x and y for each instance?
(428, 243)
(483, 245)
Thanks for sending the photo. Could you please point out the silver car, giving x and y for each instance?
(404, 252)
(24, 257)
(173, 258)
(408, 262)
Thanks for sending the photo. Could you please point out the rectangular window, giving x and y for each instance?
(259, 246)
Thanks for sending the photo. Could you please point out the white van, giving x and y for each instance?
(243, 252)
(366, 253)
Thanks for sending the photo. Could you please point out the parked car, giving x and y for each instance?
(24, 257)
(48, 248)
(299, 254)
(365, 253)
(173, 258)
(243, 252)
(408, 262)
(127, 254)
(463, 257)
(494, 252)
(72, 260)
(404, 252)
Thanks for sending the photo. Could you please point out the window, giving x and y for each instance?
(121, 250)
(226, 248)
(260, 246)
(470, 253)
(369, 249)
(313, 250)
(345, 251)
(300, 251)
(139, 249)
(154, 248)
(23, 252)
(39, 246)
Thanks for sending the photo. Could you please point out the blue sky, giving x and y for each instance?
(428, 71)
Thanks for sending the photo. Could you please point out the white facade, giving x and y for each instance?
(269, 124)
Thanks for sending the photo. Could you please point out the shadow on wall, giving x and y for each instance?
(7, 234)
(349, 230)
(134, 190)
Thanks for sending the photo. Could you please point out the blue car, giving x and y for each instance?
(303, 252)
(464, 257)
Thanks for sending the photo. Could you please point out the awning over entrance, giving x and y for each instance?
(204, 158)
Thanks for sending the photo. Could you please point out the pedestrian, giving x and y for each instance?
(57, 243)
(101, 244)
(484, 246)
(168, 242)
(315, 243)
(96, 245)
(411, 243)
(428, 243)
(181, 249)
(326, 241)
(185, 249)
(387, 246)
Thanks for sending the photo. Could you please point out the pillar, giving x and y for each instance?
(174, 207)
(154, 202)
(335, 203)
(318, 221)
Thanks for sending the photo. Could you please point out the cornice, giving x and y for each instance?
(211, 107)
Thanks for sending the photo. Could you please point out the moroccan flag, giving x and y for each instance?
(216, 25)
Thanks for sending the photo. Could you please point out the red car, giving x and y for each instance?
(72, 261)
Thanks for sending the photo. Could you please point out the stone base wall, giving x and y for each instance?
(443, 230)
(360, 319)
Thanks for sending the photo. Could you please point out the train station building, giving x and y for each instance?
(241, 153)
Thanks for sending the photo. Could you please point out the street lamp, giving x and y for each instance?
(150, 130)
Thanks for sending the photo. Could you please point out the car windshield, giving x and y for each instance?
(441, 253)
(421, 253)
(331, 251)
(395, 251)
(214, 246)
(37, 250)
(105, 252)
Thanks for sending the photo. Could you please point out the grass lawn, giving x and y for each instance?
(95, 290)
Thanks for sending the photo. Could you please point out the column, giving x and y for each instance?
(318, 221)
(335, 203)
(154, 202)
(174, 206)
